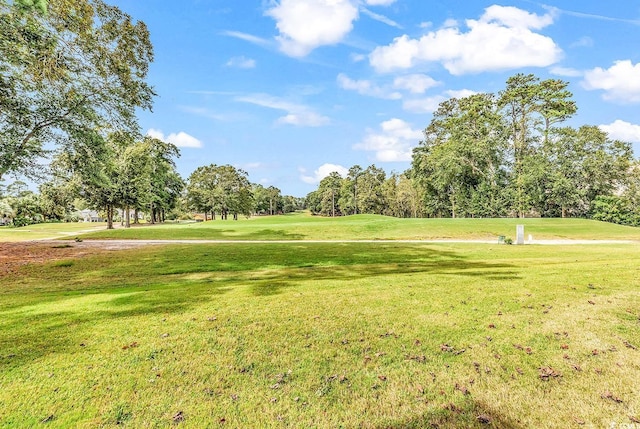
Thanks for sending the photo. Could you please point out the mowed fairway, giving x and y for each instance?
(324, 335)
(302, 226)
(47, 230)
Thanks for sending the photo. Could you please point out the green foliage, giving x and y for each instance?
(38, 5)
(78, 68)
(461, 162)
(223, 189)
(122, 172)
(493, 156)
(616, 210)
(329, 194)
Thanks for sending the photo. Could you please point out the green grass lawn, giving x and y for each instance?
(302, 226)
(47, 230)
(370, 335)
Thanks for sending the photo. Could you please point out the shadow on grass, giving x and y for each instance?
(196, 233)
(43, 333)
(174, 279)
(468, 414)
(272, 282)
(271, 234)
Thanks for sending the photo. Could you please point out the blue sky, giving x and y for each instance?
(291, 90)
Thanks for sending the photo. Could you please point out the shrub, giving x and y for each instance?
(611, 208)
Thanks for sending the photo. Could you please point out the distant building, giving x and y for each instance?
(91, 216)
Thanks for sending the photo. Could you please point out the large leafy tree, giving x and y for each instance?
(98, 177)
(582, 164)
(132, 174)
(531, 107)
(223, 188)
(67, 69)
(21, 205)
(461, 162)
(329, 194)
(200, 190)
(120, 171)
(349, 192)
(165, 183)
(403, 196)
(370, 197)
(56, 199)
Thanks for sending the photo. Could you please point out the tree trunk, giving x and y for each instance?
(564, 212)
(127, 217)
(135, 217)
(333, 203)
(152, 218)
(109, 217)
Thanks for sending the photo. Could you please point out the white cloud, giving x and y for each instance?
(241, 62)
(565, 71)
(431, 104)
(415, 83)
(624, 131)
(380, 18)
(303, 119)
(502, 39)
(460, 93)
(356, 58)
(380, 2)
(297, 114)
(323, 171)
(366, 87)
(513, 17)
(307, 24)
(449, 23)
(180, 139)
(423, 105)
(393, 142)
(247, 37)
(620, 82)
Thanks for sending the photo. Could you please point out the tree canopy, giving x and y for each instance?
(67, 69)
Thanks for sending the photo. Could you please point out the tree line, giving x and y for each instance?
(73, 73)
(499, 155)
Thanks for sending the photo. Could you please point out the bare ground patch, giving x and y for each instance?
(16, 254)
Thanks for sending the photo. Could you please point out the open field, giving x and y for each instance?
(371, 335)
(302, 226)
(47, 230)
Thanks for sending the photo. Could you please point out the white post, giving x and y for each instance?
(520, 234)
